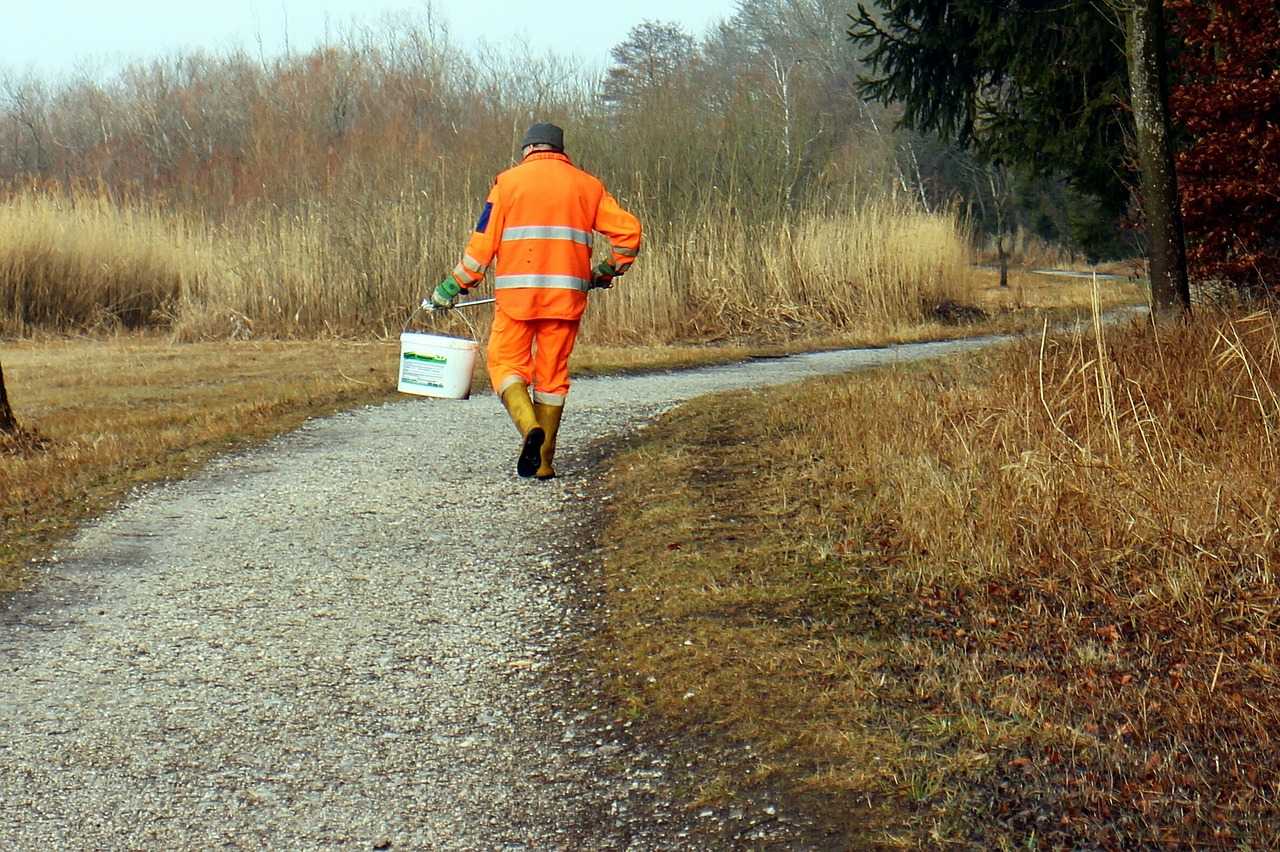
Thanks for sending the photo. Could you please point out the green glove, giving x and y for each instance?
(446, 293)
(602, 276)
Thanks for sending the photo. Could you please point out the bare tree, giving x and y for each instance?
(1001, 186)
(28, 105)
(652, 54)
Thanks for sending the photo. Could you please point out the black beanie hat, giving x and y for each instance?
(544, 134)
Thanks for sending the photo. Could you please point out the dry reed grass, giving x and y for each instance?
(359, 266)
(1028, 596)
(83, 262)
(882, 268)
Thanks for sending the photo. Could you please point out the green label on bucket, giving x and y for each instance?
(423, 371)
(430, 359)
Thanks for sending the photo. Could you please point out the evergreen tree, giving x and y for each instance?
(1036, 83)
(1043, 84)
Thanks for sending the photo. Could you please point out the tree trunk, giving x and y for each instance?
(1149, 84)
(8, 425)
(999, 181)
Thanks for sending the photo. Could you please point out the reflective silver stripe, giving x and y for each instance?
(464, 278)
(548, 398)
(625, 252)
(513, 379)
(546, 232)
(552, 282)
(471, 263)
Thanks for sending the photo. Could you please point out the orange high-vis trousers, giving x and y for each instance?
(535, 352)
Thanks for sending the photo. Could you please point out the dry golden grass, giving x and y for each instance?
(876, 270)
(1028, 250)
(82, 262)
(1030, 597)
(358, 266)
(1028, 291)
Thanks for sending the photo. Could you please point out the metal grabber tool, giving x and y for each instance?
(433, 307)
(436, 311)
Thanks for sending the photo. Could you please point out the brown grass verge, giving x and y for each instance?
(1028, 291)
(1028, 598)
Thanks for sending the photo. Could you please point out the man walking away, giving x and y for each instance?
(537, 223)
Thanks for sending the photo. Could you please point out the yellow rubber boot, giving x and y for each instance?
(520, 407)
(549, 420)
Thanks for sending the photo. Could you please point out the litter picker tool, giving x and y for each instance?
(434, 308)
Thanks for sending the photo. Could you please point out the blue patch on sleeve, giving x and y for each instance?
(483, 224)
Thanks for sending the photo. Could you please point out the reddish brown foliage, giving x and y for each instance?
(1228, 100)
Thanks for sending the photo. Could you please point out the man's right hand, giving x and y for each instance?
(602, 276)
(446, 293)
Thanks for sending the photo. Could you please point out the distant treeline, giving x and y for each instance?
(760, 113)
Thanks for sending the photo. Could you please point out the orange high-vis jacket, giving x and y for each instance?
(538, 222)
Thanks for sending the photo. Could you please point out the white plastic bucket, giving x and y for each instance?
(431, 365)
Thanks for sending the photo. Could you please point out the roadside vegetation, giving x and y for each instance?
(84, 262)
(323, 193)
(1026, 598)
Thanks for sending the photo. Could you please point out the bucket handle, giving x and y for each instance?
(427, 305)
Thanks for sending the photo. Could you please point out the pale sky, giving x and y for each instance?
(54, 37)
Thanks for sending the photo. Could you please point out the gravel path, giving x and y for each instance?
(1072, 273)
(344, 638)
